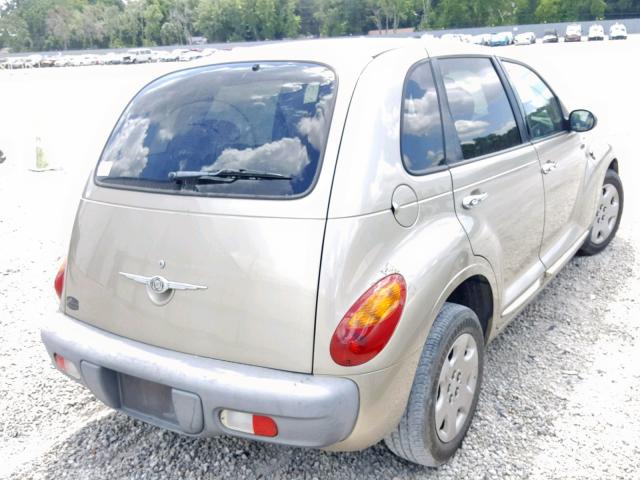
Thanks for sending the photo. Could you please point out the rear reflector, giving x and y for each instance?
(249, 423)
(66, 366)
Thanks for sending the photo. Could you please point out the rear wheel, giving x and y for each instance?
(608, 215)
(445, 390)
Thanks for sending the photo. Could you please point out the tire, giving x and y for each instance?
(606, 224)
(418, 438)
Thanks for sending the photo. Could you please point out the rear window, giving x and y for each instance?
(242, 129)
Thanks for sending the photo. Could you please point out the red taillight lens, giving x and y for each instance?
(368, 325)
(264, 426)
(58, 283)
(59, 362)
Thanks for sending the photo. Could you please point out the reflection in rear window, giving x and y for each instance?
(270, 118)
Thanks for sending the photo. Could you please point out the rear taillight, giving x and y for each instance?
(58, 283)
(368, 325)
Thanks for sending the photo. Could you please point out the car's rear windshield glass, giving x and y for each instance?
(242, 129)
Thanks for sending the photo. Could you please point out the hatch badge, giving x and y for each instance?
(160, 289)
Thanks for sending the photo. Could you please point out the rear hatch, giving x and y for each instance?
(202, 229)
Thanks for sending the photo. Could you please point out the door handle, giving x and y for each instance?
(549, 167)
(473, 200)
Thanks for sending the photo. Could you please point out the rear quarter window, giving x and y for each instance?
(269, 118)
(421, 142)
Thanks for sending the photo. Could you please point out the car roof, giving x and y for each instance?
(342, 53)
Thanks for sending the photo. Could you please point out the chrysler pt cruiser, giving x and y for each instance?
(312, 243)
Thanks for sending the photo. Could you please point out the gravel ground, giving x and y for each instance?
(561, 392)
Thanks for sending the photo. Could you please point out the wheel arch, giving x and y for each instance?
(476, 294)
(473, 287)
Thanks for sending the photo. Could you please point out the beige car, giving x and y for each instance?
(311, 243)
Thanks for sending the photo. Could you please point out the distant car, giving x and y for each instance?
(617, 31)
(75, 60)
(596, 32)
(49, 61)
(63, 61)
(550, 36)
(190, 55)
(33, 61)
(137, 55)
(526, 38)
(161, 56)
(451, 37)
(501, 39)
(3, 63)
(84, 60)
(158, 55)
(111, 58)
(573, 33)
(482, 39)
(16, 62)
(174, 55)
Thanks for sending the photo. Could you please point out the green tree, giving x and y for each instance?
(14, 33)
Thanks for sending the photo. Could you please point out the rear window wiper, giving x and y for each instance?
(226, 175)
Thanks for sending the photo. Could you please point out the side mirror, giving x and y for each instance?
(582, 121)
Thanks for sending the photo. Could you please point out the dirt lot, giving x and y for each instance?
(561, 397)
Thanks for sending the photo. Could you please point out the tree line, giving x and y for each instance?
(74, 24)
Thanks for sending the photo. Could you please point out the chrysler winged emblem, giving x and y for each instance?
(160, 289)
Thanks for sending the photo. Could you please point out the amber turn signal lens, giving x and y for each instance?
(368, 325)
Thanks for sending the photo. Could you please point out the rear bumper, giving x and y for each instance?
(310, 410)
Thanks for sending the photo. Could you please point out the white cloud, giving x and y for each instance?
(471, 128)
(287, 156)
(127, 150)
(421, 115)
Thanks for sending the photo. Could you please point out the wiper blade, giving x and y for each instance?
(226, 175)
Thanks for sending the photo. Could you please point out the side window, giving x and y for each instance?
(479, 106)
(542, 109)
(421, 143)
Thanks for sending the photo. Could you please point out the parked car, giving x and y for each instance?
(84, 60)
(324, 272)
(596, 32)
(63, 61)
(526, 38)
(16, 62)
(3, 63)
(451, 37)
(550, 36)
(501, 39)
(617, 31)
(481, 39)
(112, 58)
(573, 33)
(189, 55)
(175, 54)
(137, 55)
(33, 61)
(50, 60)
